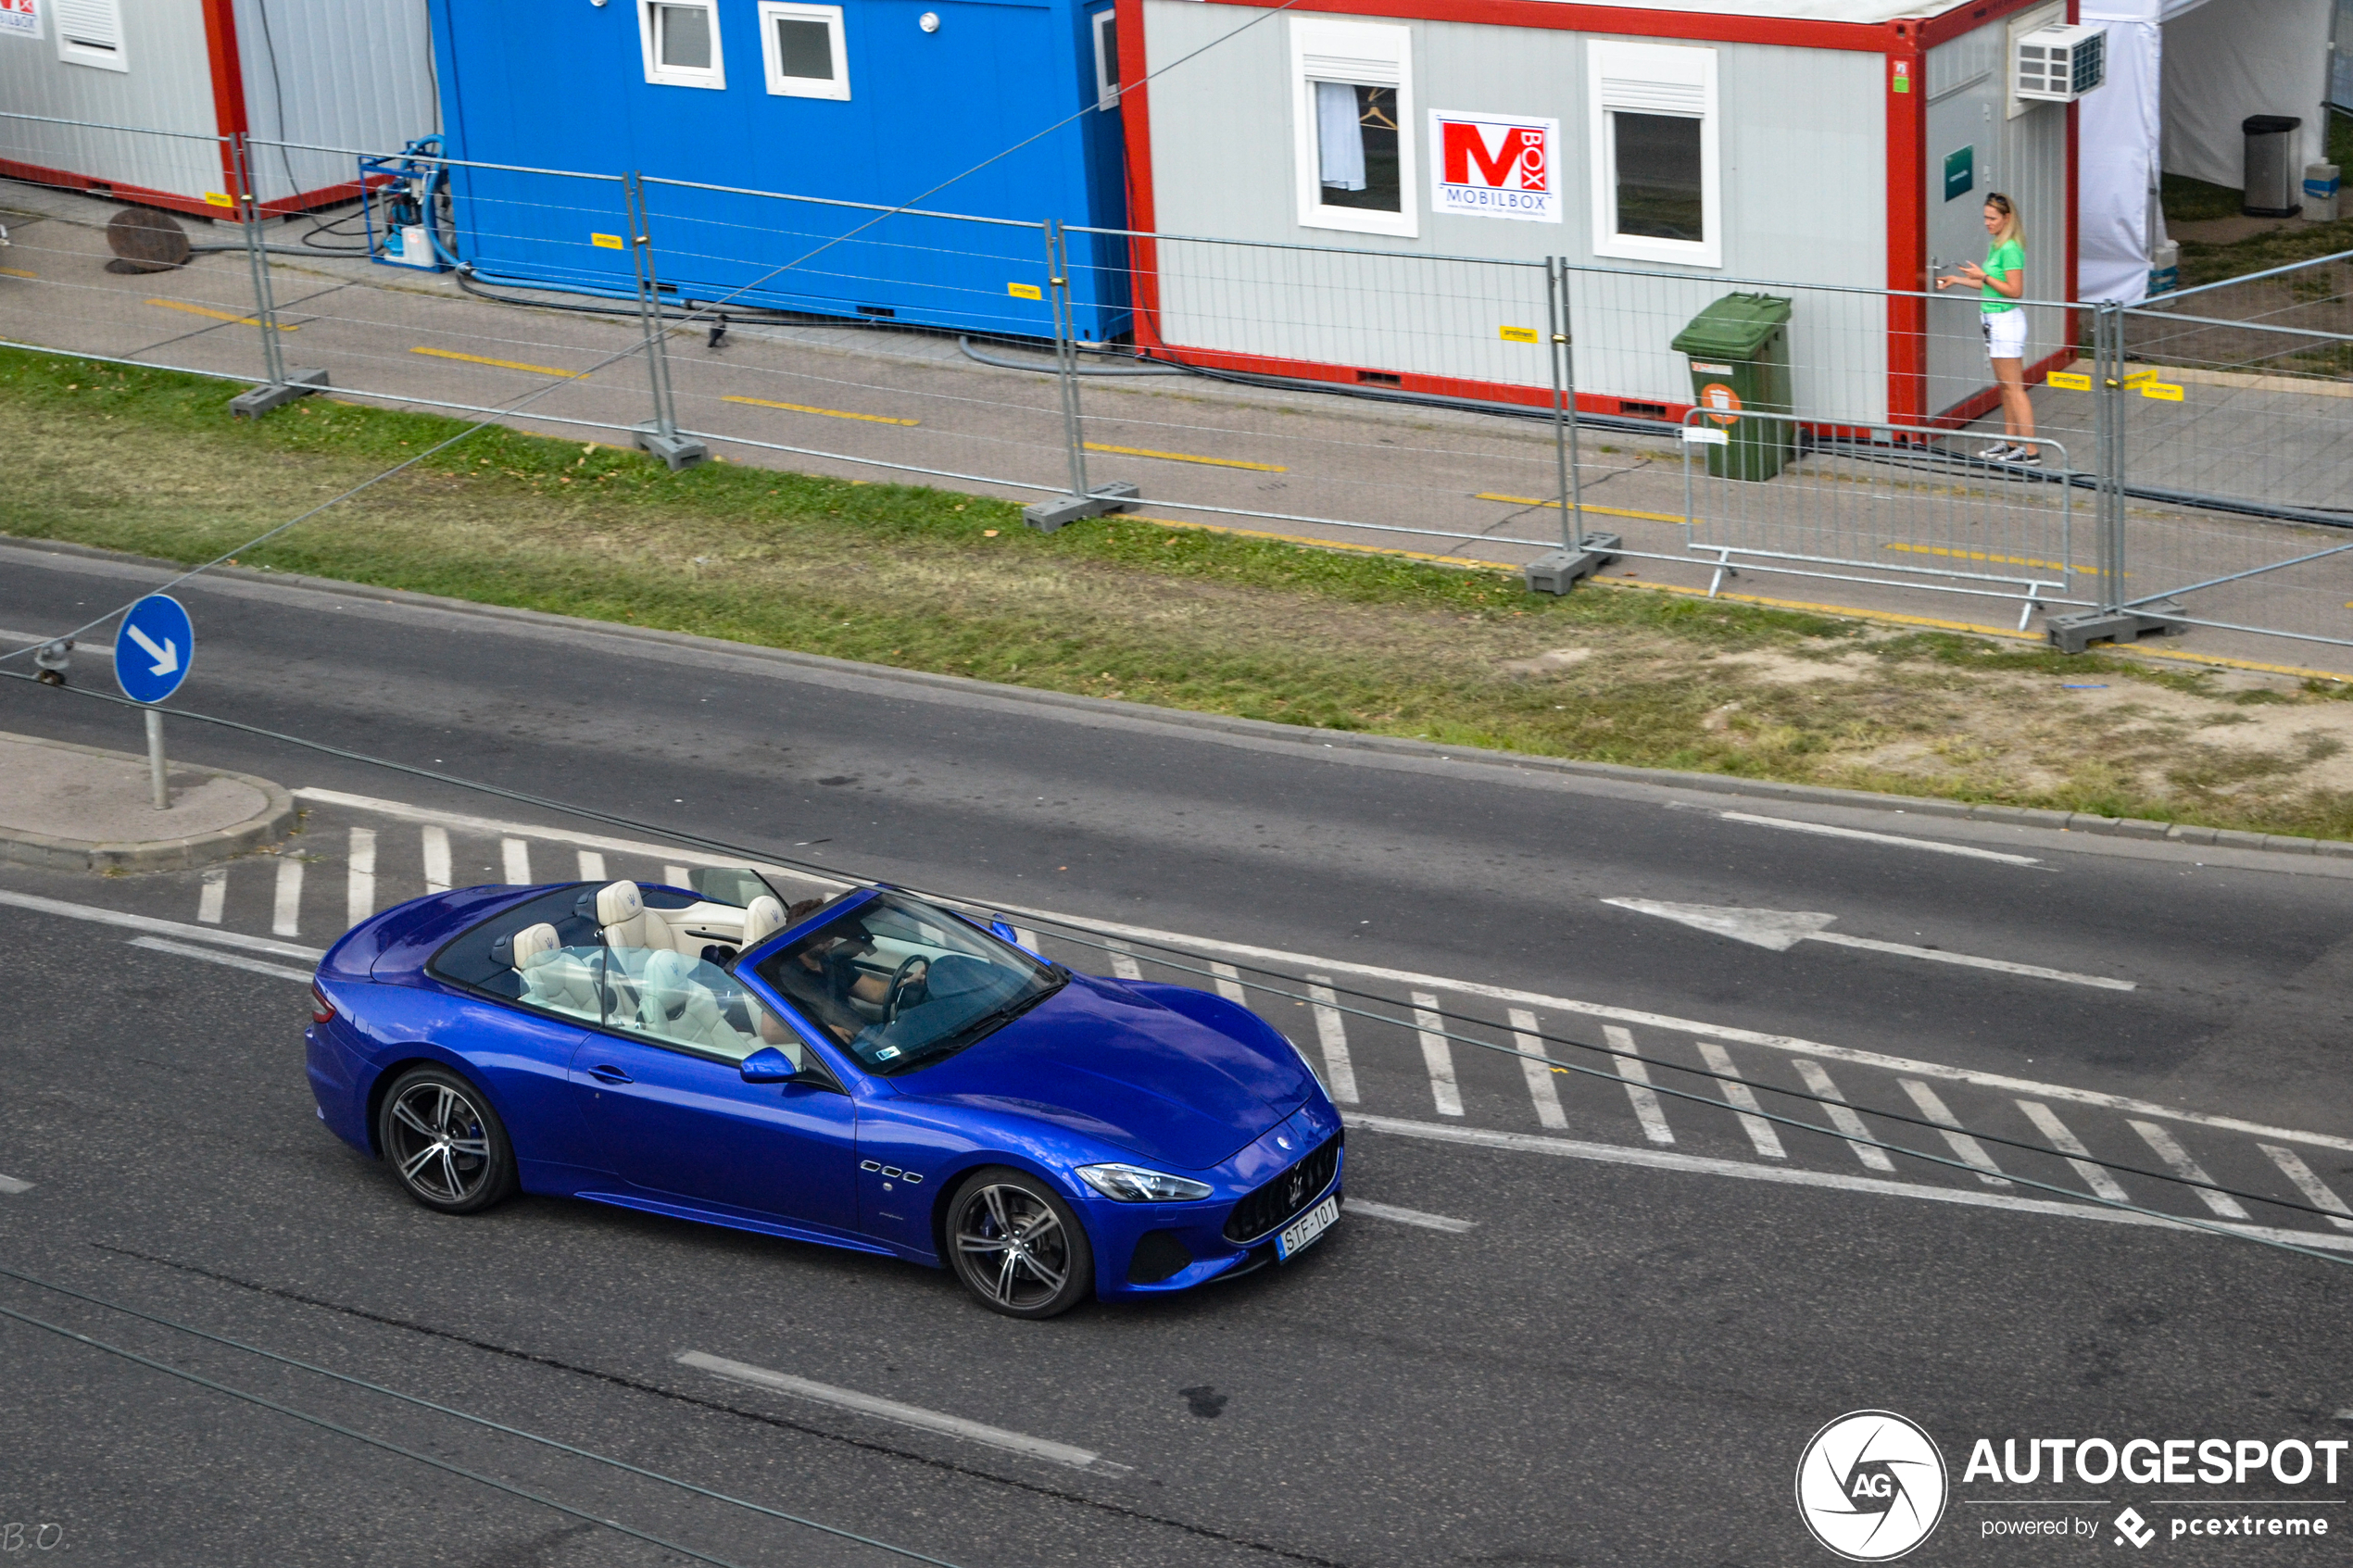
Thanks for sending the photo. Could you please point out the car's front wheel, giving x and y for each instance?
(1017, 1247)
(444, 1143)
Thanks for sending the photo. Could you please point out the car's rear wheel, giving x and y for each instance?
(444, 1143)
(1017, 1247)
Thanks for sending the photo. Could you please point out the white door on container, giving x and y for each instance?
(1963, 142)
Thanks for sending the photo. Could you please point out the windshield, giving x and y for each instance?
(900, 983)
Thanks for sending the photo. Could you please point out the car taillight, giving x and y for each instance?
(321, 1009)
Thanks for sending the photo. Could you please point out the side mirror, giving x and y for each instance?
(768, 1065)
(1003, 928)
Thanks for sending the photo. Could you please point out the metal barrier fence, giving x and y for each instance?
(2189, 467)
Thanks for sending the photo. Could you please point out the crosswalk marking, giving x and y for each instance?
(1971, 1152)
(1841, 1115)
(286, 915)
(359, 895)
(2046, 1122)
(1122, 962)
(2174, 1155)
(1437, 1056)
(592, 866)
(1540, 1088)
(676, 876)
(1339, 1073)
(214, 898)
(437, 842)
(517, 855)
(1742, 1100)
(1637, 1074)
(2315, 1191)
(1229, 983)
(1024, 938)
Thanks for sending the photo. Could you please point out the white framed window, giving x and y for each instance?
(1657, 186)
(1352, 114)
(1106, 24)
(681, 41)
(806, 52)
(90, 33)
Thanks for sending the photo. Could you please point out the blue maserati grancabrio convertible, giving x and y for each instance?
(875, 1073)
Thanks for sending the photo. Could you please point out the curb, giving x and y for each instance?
(151, 854)
(1260, 729)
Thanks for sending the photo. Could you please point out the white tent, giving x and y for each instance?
(2182, 75)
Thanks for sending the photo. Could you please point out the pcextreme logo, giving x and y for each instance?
(1871, 1486)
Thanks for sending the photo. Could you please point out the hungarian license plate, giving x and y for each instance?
(1302, 1233)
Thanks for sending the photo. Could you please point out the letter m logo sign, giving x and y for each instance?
(1516, 162)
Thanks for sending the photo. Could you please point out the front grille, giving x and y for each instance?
(1266, 1208)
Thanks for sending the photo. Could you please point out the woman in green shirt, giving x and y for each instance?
(2001, 283)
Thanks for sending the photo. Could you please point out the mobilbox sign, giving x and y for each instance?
(1495, 166)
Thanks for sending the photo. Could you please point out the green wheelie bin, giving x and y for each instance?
(1739, 348)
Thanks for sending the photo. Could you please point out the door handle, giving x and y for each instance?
(609, 1075)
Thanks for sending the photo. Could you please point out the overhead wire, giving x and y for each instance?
(1103, 940)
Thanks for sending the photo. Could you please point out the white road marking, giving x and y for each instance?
(1541, 1092)
(128, 922)
(2046, 1122)
(1793, 1175)
(592, 866)
(2315, 1191)
(1339, 1073)
(515, 854)
(2174, 1155)
(1841, 1115)
(1967, 1149)
(360, 897)
(285, 916)
(1637, 1074)
(891, 1410)
(1826, 830)
(492, 827)
(11, 1185)
(1742, 1100)
(1780, 929)
(214, 955)
(1122, 962)
(213, 900)
(1025, 938)
(1410, 1217)
(676, 876)
(1437, 1055)
(437, 842)
(1229, 983)
(1793, 1045)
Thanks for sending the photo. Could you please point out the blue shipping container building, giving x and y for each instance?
(846, 108)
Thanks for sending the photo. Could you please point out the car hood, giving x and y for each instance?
(1105, 1062)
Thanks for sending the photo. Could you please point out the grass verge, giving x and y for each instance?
(148, 461)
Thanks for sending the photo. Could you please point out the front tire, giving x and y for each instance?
(445, 1145)
(1017, 1247)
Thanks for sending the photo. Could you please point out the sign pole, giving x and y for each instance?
(155, 760)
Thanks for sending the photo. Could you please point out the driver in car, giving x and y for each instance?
(834, 983)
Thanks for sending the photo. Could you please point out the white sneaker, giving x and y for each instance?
(2024, 454)
(1997, 453)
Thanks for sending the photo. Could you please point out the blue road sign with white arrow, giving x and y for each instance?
(153, 650)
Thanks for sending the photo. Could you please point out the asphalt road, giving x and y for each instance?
(1614, 1356)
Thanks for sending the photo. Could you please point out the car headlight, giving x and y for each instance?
(1133, 1184)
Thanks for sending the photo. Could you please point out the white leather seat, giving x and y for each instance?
(674, 1005)
(532, 941)
(622, 912)
(553, 978)
(763, 917)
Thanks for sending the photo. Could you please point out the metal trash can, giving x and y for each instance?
(2319, 192)
(1739, 348)
(2274, 184)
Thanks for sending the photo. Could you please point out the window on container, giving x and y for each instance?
(90, 33)
(806, 52)
(681, 43)
(1657, 192)
(1355, 114)
(1106, 59)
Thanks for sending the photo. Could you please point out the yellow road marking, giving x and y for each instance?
(829, 413)
(1598, 511)
(2004, 561)
(215, 314)
(1187, 457)
(19, 273)
(501, 364)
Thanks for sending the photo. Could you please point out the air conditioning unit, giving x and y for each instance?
(2058, 65)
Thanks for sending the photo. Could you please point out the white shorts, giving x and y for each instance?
(2005, 334)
